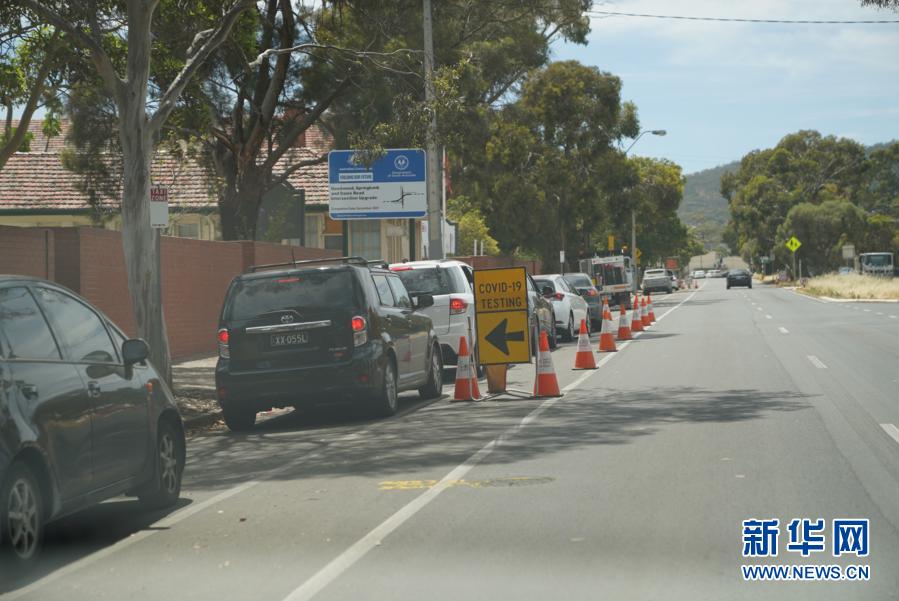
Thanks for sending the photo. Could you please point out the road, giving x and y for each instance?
(737, 404)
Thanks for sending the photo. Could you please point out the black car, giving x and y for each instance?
(322, 331)
(581, 282)
(83, 416)
(739, 277)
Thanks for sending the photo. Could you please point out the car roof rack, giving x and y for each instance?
(378, 263)
(347, 260)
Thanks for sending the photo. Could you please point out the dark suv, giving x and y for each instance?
(308, 332)
(83, 416)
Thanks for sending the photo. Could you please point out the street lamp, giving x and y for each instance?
(655, 132)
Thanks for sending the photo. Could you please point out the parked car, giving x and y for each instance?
(739, 277)
(84, 416)
(452, 314)
(674, 281)
(582, 284)
(657, 280)
(714, 273)
(569, 308)
(698, 274)
(541, 317)
(308, 332)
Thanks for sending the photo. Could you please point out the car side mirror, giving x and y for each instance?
(547, 291)
(135, 351)
(424, 300)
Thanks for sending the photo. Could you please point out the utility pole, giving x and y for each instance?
(435, 205)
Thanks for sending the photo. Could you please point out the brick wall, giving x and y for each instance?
(27, 251)
(196, 275)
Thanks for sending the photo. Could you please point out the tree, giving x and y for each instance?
(893, 4)
(30, 60)
(470, 227)
(118, 40)
(823, 229)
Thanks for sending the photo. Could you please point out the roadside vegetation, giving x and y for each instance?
(853, 286)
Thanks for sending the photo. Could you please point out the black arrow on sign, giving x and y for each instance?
(499, 337)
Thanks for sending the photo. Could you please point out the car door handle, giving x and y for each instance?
(93, 390)
(29, 391)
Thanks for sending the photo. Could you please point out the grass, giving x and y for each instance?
(853, 286)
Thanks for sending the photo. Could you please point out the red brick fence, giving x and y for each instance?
(195, 274)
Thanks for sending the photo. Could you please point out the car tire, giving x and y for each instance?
(553, 337)
(385, 400)
(728, 286)
(749, 286)
(22, 537)
(169, 454)
(568, 333)
(433, 388)
(239, 419)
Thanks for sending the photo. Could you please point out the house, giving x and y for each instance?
(36, 190)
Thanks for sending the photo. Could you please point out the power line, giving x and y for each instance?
(608, 13)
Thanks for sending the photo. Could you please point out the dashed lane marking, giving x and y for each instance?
(891, 430)
(816, 362)
(783, 330)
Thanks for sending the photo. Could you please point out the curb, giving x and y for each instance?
(858, 300)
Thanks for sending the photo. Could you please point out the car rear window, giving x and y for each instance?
(431, 280)
(652, 273)
(313, 289)
(579, 280)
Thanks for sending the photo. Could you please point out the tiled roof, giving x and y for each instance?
(39, 143)
(313, 179)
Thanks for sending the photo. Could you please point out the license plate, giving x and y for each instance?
(278, 340)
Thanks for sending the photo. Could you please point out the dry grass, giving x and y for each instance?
(853, 286)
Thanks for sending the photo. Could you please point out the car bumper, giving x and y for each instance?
(741, 282)
(313, 384)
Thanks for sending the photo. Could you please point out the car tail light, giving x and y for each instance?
(360, 330)
(400, 268)
(457, 306)
(224, 339)
(558, 296)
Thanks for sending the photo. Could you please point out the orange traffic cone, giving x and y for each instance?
(606, 337)
(624, 330)
(546, 383)
(466, 381)
(644, 314)
(695, 284)
(584, 358)
(652, 315)
(637, 318)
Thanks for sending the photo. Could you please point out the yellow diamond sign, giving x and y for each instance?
(793, 244)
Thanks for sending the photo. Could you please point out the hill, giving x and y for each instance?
(703, 206)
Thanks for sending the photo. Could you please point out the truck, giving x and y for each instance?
(612, 276)
(877, 264)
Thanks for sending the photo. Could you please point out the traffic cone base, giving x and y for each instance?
(624, 330)
(606, 337)
(584, 358)
(652, 315)
(644, 314)
(466, 379)
(546, 383)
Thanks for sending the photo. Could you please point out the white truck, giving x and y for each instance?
(876, 264)
(612, 276)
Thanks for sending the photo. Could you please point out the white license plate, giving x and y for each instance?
(289, 339)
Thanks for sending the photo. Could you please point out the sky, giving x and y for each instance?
(721, 90)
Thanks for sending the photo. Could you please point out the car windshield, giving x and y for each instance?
(877, 260)
(304, 290)
(430, 280)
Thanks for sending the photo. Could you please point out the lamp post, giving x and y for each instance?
(655, 132)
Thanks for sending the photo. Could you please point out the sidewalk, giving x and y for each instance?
(194, 389)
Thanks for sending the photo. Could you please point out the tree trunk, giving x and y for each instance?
(239, 203)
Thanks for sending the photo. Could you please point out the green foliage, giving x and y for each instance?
(826, 188)
(470, 227)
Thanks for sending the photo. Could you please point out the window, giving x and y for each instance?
(313, 289)
(333, 242)
(188, 230)
(432, 280)
(365, 238)
(80, 328)
(27, 333)
(399, 292)
(312, 230)
(383, 290)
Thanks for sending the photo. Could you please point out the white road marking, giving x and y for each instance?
(816, 362)
(892, 317)
(892, 430)
(879, 313)
(783, 330)
(758, 308)
(867, 310)
(340, 564)
(768, 317)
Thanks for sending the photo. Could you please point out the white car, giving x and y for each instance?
(569, 307)
(450, 283)
(698, 274)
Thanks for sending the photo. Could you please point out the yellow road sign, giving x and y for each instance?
(503, 337)
(793, 244)
(637, 254)
(611, 242)
(500, 289)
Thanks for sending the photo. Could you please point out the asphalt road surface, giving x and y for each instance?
(737, 404)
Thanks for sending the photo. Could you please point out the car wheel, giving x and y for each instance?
(239, 419)
(728, 286)
(553, 336)
(749, 286)
(568, 332)
(386, 398)
(169, 468)
(433, 388)
(21, 521)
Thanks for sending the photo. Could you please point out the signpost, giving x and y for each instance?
(793, 244)
(392, 187)
(159, 206)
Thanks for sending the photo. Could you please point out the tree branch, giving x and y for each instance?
(195, 60)
(22, 129)
(283, 177)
